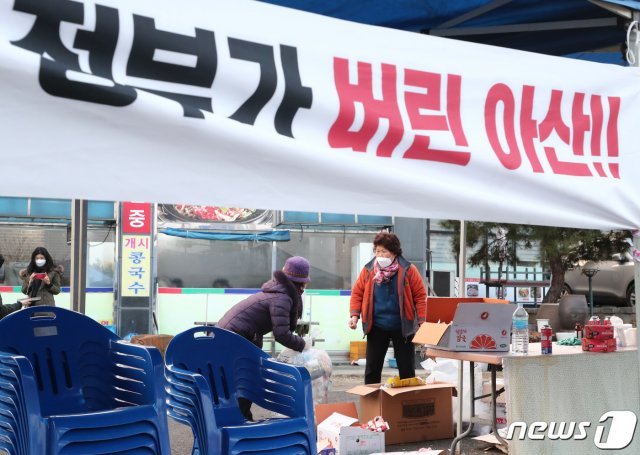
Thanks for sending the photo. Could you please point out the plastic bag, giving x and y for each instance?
(446, 370)
(319, 365)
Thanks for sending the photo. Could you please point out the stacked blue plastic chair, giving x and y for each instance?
(208, 368)
(69, 386)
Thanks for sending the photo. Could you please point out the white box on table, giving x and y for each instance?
(478, 327)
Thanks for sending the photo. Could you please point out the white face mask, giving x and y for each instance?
(384, 262)
(41, 262)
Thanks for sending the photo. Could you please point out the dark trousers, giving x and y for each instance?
(377, 345)
(245, 408)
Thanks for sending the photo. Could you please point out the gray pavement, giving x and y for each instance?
(344, 377)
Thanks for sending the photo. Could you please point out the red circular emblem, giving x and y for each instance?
(484, 315)
(504, 333)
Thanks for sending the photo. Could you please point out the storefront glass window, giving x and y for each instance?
(329, 254)
(101, 257)
(194, 263)
(18, 242)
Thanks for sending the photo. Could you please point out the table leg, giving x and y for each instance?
(472, 404)
(460, 402)
(494, 399)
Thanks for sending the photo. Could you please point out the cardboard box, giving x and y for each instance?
(598, 332)
(592, 345)
(339, 424)
(360, 441)
(443, 309)
(420, 413)
(486, 389)
(475, 327)
(357, 350)
(159, 341)
(501, 415)
(331, 428)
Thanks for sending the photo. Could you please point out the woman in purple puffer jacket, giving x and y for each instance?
(276, 308)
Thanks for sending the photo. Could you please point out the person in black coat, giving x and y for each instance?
(10, 308)
(276, 308)
(42, 278)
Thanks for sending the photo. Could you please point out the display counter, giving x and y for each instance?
(573, 389)
(567, 386)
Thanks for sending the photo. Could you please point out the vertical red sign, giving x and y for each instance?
(136, 218)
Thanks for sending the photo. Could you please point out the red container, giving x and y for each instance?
(592, 345)
(598, 332)
(545, 340)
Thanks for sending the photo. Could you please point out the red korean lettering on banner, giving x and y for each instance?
(587, 116)
(500, 93)
(529, 128)
(416, 103)
(376, 111)
(612, 134)
(422, 103)
(136, 217)
(553, 122)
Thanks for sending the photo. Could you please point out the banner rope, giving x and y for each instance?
(635, 251)
(631, 58)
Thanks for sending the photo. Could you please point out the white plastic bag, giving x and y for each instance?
(446, 370)
(319, 365)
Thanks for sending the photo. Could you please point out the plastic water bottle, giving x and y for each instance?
(520, 331)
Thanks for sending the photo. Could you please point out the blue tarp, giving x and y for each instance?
(556, 27)
(268, 236)
(410, 15)
(630, 4)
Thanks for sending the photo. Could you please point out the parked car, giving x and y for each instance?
(614, 282)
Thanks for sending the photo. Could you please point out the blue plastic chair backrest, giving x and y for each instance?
(70, 354)
(222, 357)
(233, 366)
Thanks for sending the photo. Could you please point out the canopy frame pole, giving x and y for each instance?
(462, 261)
(473, 14)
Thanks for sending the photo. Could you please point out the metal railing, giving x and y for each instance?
(533, 278)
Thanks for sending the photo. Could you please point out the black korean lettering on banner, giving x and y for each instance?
(62, 75)
(147, 39)
(44, 38)
(296, 95)
(192, 105)
(261, 54)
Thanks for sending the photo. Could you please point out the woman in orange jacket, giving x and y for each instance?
(390, 298)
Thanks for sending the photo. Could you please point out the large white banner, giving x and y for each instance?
(247, 104)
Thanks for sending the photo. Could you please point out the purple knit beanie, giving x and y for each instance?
(296, 268)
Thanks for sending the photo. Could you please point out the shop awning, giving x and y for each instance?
(271, 236)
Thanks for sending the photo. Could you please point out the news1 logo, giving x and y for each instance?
(621, 429)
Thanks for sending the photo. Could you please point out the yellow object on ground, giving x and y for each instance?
(408, 382)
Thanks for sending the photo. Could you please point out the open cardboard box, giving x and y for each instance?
(443, 309)
(339, 424)
(477, 325)
(420, 413)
